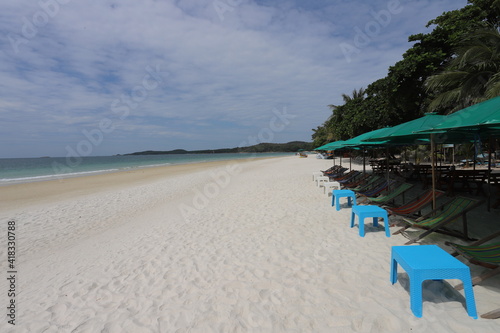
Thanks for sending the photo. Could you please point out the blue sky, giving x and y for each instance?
(113, 77)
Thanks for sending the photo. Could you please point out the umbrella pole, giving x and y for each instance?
(475, 154)
(387, 162)
(490, 146)
(364, 166)
(433, 173)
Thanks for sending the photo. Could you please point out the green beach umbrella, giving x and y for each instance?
(359, 141)
(410, 133)
(482, 119)
(331, 146)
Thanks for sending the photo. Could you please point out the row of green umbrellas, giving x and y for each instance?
(479, 120)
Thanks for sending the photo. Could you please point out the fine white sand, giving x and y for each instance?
(220, 247)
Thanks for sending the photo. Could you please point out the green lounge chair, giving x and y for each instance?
(372, 182)
(377, 189)
(447, 213)
(382, 199)
(486, 255)
(356, 182)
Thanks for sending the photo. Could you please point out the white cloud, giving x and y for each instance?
(220, 78)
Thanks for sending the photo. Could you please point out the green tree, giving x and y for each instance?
(403, 95)
(472, 76)
(430, 54)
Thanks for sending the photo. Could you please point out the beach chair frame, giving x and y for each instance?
(467, 251)
(413, 208)
(435, 220)
(399, 190)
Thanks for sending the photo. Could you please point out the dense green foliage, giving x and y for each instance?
(293, 146)
(473, 76)
(406, 93)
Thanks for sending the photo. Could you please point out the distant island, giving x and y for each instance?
(289, 147)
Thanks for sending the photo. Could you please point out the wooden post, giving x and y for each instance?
(364, 161)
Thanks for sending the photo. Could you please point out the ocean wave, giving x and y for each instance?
(54, 176)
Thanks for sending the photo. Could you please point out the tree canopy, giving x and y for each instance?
(416, 84)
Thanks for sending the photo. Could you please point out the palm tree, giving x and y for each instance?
(356, 94)
(472, 76)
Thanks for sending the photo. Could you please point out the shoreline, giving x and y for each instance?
(129, 166)
(30, 192)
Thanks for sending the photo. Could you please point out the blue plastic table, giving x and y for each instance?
(369, 211)
(337, 194)
(430, 262)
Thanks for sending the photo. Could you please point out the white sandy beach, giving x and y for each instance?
(238, 246)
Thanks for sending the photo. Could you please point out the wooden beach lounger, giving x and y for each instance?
(348, 177)
(377, 189)
(413, 208)
(345, 176)
(447, 213)
(356, 182)
(486, 255)
(382, 199)
(371, 183)
(478, 253)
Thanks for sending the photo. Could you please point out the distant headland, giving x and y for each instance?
(292, 146)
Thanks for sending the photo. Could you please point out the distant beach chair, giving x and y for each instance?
(382, 199)
(347, 176)
(370, 183)
(437, 219)
(331, 169)
(485, 255)
(377, 189)
(337, 173)
(355, 175)
(414, 207)
(356, 182)
(478, 253)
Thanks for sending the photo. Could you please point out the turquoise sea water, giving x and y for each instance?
(23, 170)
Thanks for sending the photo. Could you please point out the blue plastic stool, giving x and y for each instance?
(430, 262)
(369, 211)
(337, 194)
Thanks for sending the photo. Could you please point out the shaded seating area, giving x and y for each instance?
(473, 128)
(381, 166)
(464, 180)
(437, 219)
